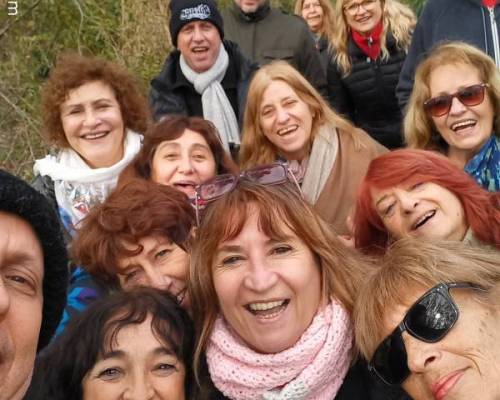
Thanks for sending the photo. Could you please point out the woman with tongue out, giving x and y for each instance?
(286, 118)
(455, 109)
(421, 194)
(272, 292)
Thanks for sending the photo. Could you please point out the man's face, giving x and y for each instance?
(249, 6)
(21, 301)
(199, 42)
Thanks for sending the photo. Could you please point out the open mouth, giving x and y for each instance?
(422, 220)
(181, 296)
(268, 309)
(462, 125)
(363, 19)
(94, 135)
(199, 49)
(184, 185)
(287, 130)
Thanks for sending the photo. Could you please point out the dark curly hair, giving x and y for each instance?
(73, 70)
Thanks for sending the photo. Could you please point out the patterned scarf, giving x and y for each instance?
(485, 165)
(313, 369)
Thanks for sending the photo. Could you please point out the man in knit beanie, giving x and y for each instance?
(206, 76)
(33, 279)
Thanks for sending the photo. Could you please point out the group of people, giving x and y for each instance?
(258, 230)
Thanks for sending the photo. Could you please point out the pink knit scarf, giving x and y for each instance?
(313, 369)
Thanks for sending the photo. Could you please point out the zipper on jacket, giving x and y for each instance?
(494, 35)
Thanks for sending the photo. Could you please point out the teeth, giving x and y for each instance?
(265, 306)
(463, 124)
(199, 49)
(91, 136)
(181, 296)
(423, 218)
(286, 130)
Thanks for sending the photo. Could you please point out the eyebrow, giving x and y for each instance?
(72, 105)
(122, 354)
(381, 200)
(236, 248)
(23, 259)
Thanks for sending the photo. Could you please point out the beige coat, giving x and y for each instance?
(338, 196)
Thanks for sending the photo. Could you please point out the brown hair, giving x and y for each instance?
(72, 71)
(341, 268)
(419, 129)
(411, 263)
(256, 148)
(133, 211)
(171, 128)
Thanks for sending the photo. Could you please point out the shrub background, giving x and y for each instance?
(133, 33)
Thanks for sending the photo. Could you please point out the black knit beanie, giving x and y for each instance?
(20, 199)
(183, 12)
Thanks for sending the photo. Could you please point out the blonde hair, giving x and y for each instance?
(419, 128)
(341, 268)
(397, 18)
(326, 30)
(256, 148)
(410, 264)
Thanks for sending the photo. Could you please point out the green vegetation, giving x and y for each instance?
(134, 33)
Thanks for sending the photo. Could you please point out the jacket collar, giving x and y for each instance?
(258, 15)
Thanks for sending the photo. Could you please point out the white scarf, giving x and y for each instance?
(77, 186)
(323, 155)
(216, 106)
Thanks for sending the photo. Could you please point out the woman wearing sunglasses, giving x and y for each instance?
(137, 345)
(181, 152)
(287, 119)
(455, 109)
(429, 320)
(272, 293)
(419, 193)
(370, 43)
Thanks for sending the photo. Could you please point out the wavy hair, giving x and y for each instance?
(256, 148)
(419, 129)
(398, 19)
(73, 70)
(481, 208)
(410, 264)
(278, 206)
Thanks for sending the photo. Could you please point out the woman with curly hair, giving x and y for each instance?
(93, 114)
(370, 43)
(418, 193)
(455, 109)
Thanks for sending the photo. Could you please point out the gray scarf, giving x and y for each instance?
(216, 106)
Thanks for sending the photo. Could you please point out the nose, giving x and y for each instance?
(457, 107)
(91, 118)
(282, 115)
(260, 276)
(421, 355)
(185, 164)
(139, 389)
(158, 280)
(197, 34)
(406, 201)
(4, 299)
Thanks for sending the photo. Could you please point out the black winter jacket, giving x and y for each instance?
(172, 93)
(466, 20)
(367, 96)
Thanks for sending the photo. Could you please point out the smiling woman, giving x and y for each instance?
(136, 345)
(459, 117)
(419, 193)
(93, 113)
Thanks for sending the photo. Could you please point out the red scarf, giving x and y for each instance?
(489, 3)
(369, 44)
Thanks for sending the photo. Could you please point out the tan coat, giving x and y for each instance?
(338, 196)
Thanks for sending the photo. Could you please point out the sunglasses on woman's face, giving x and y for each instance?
(468, 96)
(429, 319)
(273, 174)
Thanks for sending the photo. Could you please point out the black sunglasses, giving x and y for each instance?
(429, 319)
(468, 96)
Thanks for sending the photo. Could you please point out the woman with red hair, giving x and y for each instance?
(420, 193)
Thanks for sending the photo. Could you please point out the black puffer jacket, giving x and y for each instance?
(367, 96)
(172, 93)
